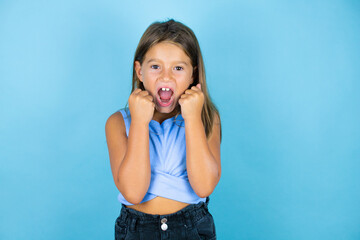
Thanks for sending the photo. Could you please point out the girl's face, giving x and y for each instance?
(166, 73)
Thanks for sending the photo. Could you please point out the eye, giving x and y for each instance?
(178, 68)
(155, 67)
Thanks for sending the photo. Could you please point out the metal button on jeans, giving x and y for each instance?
(164, 226)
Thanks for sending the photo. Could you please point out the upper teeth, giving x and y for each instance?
(165, 89)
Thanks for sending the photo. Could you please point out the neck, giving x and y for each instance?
(160, 117)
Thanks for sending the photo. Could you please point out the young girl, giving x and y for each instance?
(165, 148)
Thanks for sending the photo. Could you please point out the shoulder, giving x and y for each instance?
(115, 123)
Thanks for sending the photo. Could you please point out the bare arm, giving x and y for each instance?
(203, 156)
(129, 157)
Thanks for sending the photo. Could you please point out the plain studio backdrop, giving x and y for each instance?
(285, 76)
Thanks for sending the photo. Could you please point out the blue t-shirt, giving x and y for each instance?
(167, 148)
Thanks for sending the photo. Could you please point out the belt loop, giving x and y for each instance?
(123, 216)
(133, 224)
(188, 220)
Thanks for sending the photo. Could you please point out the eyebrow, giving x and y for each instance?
(157, 60)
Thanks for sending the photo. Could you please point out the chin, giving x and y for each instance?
(164, 109)
(167, 109)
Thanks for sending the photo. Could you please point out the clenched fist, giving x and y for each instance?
(141, 106)
(192, 102)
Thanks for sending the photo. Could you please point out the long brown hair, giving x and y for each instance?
(184, 37)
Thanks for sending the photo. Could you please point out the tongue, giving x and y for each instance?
(165, 95)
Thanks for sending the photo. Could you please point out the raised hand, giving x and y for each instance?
(192, 102)
(141, 105)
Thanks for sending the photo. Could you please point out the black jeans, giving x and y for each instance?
(192, 222)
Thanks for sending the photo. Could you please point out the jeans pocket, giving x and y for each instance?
(205, 227)
(120, 229)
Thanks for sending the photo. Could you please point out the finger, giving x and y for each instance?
(149, 97)
(196, 88)
(152, 103)
(144, 93)
(189, 91)
(137, 90)
(198, 85)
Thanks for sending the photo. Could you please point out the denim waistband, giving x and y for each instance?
(188, 214)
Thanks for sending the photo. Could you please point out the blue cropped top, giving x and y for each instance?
(167, 148)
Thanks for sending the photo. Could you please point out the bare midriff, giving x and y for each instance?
(159, 205)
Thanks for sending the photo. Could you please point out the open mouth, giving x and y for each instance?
(165, 96)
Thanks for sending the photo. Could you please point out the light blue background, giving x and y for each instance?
(284, 74)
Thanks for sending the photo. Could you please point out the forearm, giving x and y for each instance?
(135, 171)
(201, 165)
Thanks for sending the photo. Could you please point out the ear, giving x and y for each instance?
(137, 66)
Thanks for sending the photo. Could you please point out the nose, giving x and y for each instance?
(166, 74)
